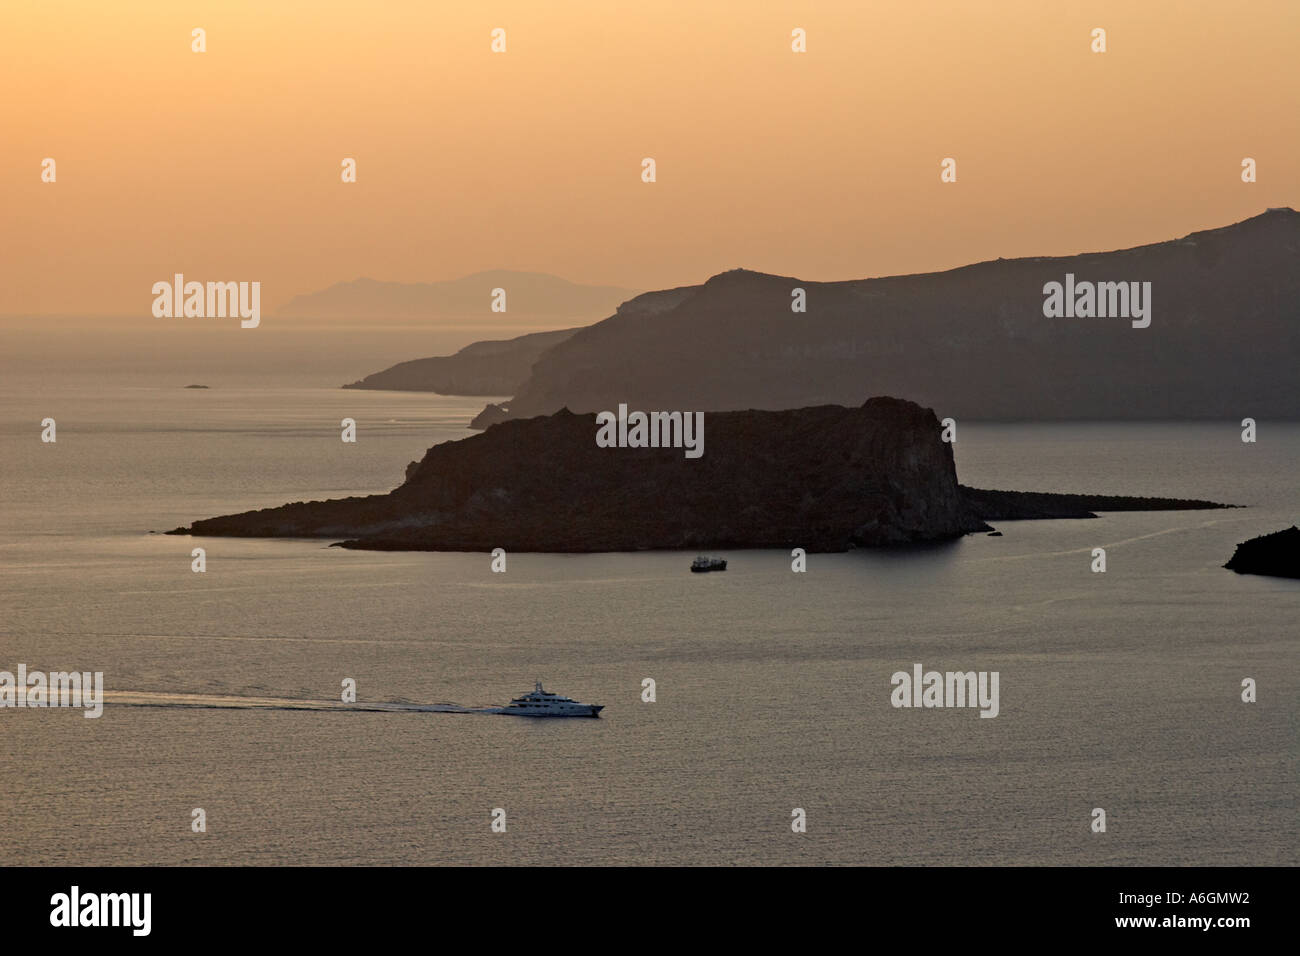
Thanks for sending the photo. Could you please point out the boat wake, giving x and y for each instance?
(235, 702)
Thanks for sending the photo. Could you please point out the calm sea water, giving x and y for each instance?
(1118, 690)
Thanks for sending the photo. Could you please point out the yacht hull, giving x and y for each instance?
(587, 710)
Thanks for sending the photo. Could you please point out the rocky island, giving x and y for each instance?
(1276, 555)
(825, 478)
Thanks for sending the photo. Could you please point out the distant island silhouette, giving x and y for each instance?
(973, 342)
(493, 367)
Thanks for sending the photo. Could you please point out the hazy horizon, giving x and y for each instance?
(823, 165)
(476, 320)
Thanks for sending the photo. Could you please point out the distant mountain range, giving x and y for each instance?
(531, 298)
(973, 342)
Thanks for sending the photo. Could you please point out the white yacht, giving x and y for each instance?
(541, 703)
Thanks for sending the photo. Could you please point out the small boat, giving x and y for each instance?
(541, 703)
(709, 564)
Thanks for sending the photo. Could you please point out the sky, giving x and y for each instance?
(225, 165)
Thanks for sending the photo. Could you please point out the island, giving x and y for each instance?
(972, 341)
(824, 478)
(1276, 555)
(492, 367)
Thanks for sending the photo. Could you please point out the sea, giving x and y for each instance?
(748, 716)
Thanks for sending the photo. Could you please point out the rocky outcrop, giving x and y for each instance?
(1276, 555)
(826, 478)
(495, 367)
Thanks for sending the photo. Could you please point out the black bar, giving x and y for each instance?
(438, 906)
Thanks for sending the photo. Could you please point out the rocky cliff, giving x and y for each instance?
(1224, 339)
(826, 478)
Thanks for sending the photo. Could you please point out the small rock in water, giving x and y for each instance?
(1276, 555)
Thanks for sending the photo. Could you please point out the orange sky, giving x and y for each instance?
(825, 165)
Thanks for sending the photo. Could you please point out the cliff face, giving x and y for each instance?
(824, 479)
(1223, 342)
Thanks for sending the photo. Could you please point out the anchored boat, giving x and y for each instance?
(708, 564)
